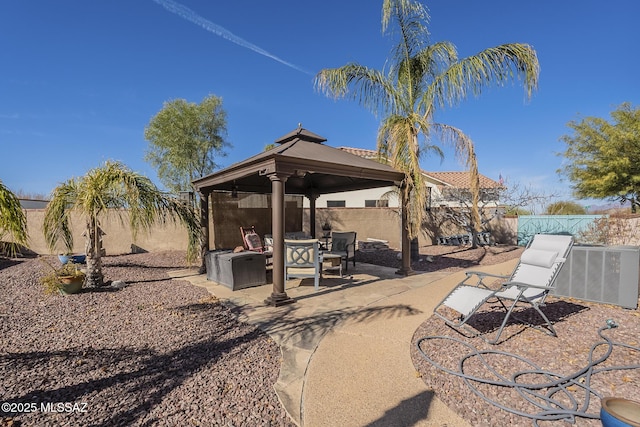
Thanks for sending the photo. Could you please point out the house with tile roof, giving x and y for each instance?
(446, 189)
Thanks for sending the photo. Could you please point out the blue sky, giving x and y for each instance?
(81, 79)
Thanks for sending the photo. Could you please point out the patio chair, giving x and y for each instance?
(443, 240)
(530, 282)
(252, 242)
(343, 243)
(302, 259)
(484, 238)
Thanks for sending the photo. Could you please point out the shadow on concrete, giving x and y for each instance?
(307, 331)
(407, 413)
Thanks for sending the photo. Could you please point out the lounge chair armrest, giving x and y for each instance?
(525, 285)
(481, 276)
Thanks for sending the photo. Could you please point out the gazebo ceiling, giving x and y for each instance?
(311, 167)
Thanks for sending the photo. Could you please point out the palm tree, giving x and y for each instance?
(13, 221)
(421, 78)
(112, 189)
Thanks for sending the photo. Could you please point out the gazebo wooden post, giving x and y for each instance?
(204, 226)
(312, 196)
(278, 295)
(405, 270)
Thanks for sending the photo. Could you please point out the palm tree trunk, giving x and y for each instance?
(475, 196)
(93, 250)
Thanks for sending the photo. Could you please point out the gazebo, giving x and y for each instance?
(300, 164)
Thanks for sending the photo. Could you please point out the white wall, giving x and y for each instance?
(355, 199)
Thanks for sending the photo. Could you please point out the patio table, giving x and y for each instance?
(335, 260)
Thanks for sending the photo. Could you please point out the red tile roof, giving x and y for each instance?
(453, 179)
(461, 179)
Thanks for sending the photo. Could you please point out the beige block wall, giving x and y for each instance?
(118, 238)
(377, 223)
(504, 230)
(385, 224)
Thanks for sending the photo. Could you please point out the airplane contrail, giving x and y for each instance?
(188, 14)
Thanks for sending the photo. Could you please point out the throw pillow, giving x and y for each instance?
(253, 241)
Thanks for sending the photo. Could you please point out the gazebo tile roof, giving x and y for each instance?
(361, 152)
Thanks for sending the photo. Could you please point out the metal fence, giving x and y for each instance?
(529, 225)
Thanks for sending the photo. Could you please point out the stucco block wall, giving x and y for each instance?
(225, 222)
(377, 223)
(118, 238)
(385, 224)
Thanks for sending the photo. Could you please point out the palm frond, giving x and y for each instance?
(114, 188)
(455, 138)
(466, 154)
(399, 141)
(497, 65)
(406, 18)
(423, 77)
(56, 217)
(370, 88)
(13, 221)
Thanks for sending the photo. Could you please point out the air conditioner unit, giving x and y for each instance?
(606, 274)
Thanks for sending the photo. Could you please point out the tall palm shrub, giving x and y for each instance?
(13, 221)
(420, 79)
(112, 189)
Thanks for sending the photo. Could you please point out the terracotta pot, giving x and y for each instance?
(71, 284)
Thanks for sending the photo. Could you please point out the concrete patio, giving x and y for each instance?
(346, 348)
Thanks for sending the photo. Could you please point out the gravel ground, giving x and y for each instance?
(577, 325)
(164, 352)
(158, 352)
(444, 258)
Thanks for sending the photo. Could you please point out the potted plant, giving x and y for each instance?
(326, 230)
(65, 280)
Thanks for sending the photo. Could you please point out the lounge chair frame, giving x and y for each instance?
(520, 287)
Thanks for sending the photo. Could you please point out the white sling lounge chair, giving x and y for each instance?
(529, 283)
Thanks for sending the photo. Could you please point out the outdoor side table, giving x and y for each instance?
(334, 260)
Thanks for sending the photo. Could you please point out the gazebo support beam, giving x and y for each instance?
(278, 296)
(312, 213)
